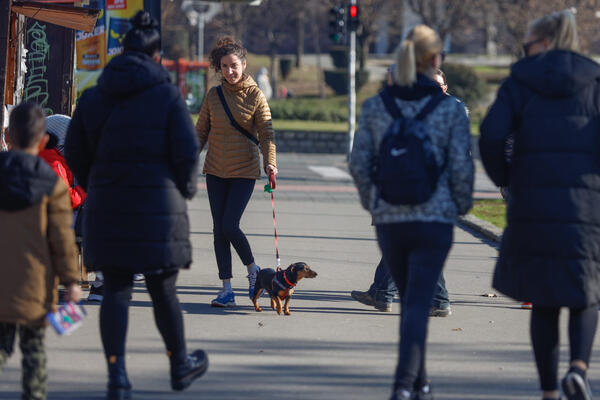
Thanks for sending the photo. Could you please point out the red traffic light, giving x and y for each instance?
(353, 11)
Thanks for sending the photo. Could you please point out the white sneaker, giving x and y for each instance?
(138, 277)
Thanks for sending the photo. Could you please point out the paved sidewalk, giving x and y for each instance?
(330, 347)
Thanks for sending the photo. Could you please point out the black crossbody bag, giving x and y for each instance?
(233, 121)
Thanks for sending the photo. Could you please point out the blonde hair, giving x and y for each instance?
(415, 53)
(560, 28)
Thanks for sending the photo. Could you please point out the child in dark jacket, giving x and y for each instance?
(37, 246)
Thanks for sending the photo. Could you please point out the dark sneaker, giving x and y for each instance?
(252, 281)
(401, 394)
(119, 387)
(443, 311)
(575, 386)
(194, 367)
(363, 297)
(96, 293)
(383, 307)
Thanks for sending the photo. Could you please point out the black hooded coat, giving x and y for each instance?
(133, 147)
(550, 250)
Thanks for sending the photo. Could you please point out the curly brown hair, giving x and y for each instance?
(224, 47)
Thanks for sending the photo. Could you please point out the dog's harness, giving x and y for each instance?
(287, 286)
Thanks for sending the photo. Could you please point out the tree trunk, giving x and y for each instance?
(273, 62)
(299, 38)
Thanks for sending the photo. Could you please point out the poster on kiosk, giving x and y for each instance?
(94, 50)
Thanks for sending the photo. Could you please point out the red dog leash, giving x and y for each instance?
(269, 187)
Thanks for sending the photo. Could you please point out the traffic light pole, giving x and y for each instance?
(351, 87)
(4, 35)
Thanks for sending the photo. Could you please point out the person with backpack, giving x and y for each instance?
(131, 144)
(382, 291)
(412, 166)
(235, 122)
(549, 254)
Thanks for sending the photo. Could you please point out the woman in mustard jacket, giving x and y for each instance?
(232, 162)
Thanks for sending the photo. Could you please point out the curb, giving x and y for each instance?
(482, 227)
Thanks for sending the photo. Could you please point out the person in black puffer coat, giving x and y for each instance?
(550, 252)
(132, 146)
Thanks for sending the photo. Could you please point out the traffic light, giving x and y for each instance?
(337, 24)
(353, 21)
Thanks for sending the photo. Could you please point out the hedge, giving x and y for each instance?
(338, 80)
(315, 109)
(464, 83)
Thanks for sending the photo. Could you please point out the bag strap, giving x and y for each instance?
(233, 121)
(390, 104)
(431, 105)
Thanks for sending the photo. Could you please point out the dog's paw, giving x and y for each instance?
(287, 312)
(258, 309)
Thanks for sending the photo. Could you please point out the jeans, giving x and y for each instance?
(544, 337)
(167, 312)
(383, 289)
(228, 199)
(415, 253)
(31, 341)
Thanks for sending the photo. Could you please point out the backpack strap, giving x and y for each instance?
(390, 104)
(431, 105)
(233, 121)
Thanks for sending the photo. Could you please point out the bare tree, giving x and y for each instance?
(445, 16)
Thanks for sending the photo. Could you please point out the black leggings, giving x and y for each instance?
(228, 199)
(167, 313)
(544, 336)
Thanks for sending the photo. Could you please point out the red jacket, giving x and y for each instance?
(58, 164)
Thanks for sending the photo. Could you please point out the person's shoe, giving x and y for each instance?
(401, 394)
(96, 293)
(383, 306)
(252, 281)
(225, 298)
(526, 306)
(193, 368)
(138, 277)
(575, 385)
(424, 393)
(363, 297)
(443, 311)
(119, 387)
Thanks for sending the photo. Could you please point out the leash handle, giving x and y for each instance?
(272, 181)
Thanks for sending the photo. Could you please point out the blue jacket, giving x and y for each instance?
(132, 146)
(448, 126)
(550, 251)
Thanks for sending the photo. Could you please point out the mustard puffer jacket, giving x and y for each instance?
(230, 153)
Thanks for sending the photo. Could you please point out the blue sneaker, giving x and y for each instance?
(252, 282)
(225, 298)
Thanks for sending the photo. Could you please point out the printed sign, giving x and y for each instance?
(116, 4)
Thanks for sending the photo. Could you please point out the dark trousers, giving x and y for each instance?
(544, 337)
(415, 254)
(228, 199)
(383, 289)
(31, 342)
(167, 312)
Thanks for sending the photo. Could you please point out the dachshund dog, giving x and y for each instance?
(280, 285)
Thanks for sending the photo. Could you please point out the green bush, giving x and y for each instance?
(315, 109)
(285, 67)
(338, 80)
(464, 83)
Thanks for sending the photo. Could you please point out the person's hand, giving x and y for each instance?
(73, 293)
(270, 169)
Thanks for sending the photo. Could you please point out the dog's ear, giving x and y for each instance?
(299, 266)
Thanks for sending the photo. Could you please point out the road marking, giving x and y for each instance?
(330, 172)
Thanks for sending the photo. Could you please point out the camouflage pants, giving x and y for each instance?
(31, 342)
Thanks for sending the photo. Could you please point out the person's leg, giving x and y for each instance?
(167, 313)
(113, 331)
(218, 189)
(35, 377)
(545, 341)
(7, 342)
(440, 306)
(427, 246)
(383, 288)
(114, 312)
(582, 329)
(239, 195)
(240, 191)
